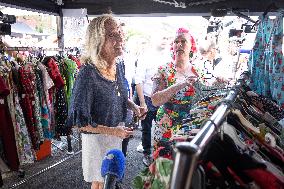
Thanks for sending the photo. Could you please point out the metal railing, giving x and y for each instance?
(187, 153)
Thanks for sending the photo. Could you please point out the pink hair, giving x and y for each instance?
(193, 44)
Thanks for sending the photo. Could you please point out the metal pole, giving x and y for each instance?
(60, 32)
(185, 156)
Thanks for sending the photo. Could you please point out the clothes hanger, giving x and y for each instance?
(255, 116)
(231, 131)
(265, 119)
(273, 154)
(245, 122)
(270, 137)
(240, 105)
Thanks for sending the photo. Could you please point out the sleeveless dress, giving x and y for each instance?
(170, 115)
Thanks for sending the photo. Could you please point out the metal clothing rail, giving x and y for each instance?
(187, 153)
(29, 49)
(70, 155)
(70, 151)
(44, 170)
(36, 49)
(33, 49)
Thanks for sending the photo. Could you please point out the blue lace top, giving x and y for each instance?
(97, 100)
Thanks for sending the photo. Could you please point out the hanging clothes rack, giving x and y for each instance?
(33, 49)
(187, 153)
(70, 152)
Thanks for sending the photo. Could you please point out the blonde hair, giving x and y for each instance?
(95, 38)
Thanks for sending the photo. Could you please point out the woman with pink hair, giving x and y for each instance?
(173, 88)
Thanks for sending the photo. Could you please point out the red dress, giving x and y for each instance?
(6, 128)
(27, 80)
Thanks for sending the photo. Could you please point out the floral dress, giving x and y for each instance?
(170, 115)
(27, 101)
(22, 138)
(266, 61)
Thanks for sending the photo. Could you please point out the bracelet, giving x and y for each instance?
(213, 123)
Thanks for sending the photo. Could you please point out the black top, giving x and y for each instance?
(97, 100)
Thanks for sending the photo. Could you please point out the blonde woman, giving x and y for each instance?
(99, 100)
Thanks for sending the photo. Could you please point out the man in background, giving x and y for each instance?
(147, 66)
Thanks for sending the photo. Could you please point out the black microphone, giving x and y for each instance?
(113, 167)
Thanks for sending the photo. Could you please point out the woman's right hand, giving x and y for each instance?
(123, 132)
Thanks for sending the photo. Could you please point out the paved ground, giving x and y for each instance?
(68, 175)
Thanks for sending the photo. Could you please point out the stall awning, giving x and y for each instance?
(146, 7)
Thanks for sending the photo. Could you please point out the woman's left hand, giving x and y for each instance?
(141, 112)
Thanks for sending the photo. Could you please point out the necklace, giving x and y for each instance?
(115, 76)
(116, 81)
(116, 85)
(117, 89)
(112, 75)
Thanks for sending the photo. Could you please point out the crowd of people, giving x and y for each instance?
(165, 83)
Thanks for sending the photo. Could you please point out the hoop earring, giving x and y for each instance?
(190, 54)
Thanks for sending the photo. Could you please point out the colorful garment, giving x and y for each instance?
(37, 114)
(54, 73)
(46, 108)
(266, 61)
(71, 68)
(76, 60)
(27, 81)
(25, 151)
(157, 176)
(40, 105)
(170, 115)
(23, 142)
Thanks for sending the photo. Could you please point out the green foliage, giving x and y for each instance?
(137, 182)
(135, 33)
(157, 184)
(39, 28)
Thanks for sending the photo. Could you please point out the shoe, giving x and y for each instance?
(140, 148)
(118, 185)
(147, 160)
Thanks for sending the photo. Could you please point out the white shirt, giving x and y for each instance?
(147, 67)
(129, 62)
